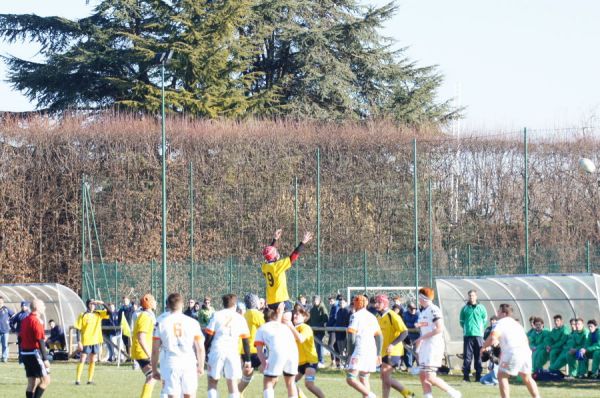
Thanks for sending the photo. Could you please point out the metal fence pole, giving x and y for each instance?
(469, 260)
(365, 270)
(416, 216)
(116, 281)
(526, 201)
(318, 221)
(587, 257)
(83, 217)
(192, 230)
(296, 276)
(430, 236)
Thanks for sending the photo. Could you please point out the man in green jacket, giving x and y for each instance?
(473, 319)
(318, 317)
(568, 356)
(537, 343)
(557, 338)
(592, 348)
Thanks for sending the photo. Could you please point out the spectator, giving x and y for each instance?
(397, 301)
(191, 309)
(557, 339)
(592, 348)
(197, 308)
(473, 317)
(397, 309)
(302, 301)
(126, 310)
(537, 343)
(568, 355)
(371, 307)
(342, 320)
(488, 330)
(531, 326)
(410, 318)
(56, 341)
(205, 313)
(491, 355)
(5, 315)
(573, 323)
(15, 323)
(261, 303)
(318, 318)
(334, 304)
(111, 331)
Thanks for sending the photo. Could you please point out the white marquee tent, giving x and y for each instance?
(570, 295)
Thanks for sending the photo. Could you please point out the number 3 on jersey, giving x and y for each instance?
(270, 279)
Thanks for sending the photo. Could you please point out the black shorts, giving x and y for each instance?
(143, 362)
(91, 349)
(34, 366)
(394, 360)
(287, 306)
(302, 368)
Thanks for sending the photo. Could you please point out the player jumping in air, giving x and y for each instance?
(274, 269)
(364, 347)
(430, 346)
(225, 328)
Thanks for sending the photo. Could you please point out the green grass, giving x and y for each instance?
(116, 382)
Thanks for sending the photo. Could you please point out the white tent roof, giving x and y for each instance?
(62, 304)
(570, 295)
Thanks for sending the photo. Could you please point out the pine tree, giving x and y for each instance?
(319, 59)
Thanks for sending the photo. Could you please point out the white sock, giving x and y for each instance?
(428, 395)
(454, 393)
(234, 395)
(269, 393)
(212, 393)
(372, 395)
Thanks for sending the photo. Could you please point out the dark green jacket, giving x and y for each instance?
(538, 339)
(473, 319)
(577, 340)
(318, 315)
(558, 337)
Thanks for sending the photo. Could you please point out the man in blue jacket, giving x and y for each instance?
(473, 319)
(5, 315)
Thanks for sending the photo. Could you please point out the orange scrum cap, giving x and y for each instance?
(427, 293)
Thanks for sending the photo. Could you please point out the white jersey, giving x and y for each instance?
(281, 346)
(512, 336)
(365, 327)
(227, 327)
(431, 350)
(177, 333)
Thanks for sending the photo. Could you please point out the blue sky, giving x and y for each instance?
(512, 63)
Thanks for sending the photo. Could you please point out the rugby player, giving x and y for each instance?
(394, 332)
(307, 353)
(430, 345)
(364, 346)
(278, 339)
(178, 341)
(274, 269)
(33, 351)
(254, 319)
(89, 337)
(515, 357)
(141, 348)
(225, 328)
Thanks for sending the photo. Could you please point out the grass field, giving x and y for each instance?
(116, 382)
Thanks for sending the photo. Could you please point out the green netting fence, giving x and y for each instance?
(242, 275)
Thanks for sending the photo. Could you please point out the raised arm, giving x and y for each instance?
(296, 253)
(276, 237)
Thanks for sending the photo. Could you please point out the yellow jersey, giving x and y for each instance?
(391, 326)
(89, 325)
(276, 280)
(143, 324)
(255, 319)
(307, 353)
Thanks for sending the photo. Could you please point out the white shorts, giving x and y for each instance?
(178, 381)
(363, 363)
(226, 364)
(430, 355)
(513, 363)
(281, 364)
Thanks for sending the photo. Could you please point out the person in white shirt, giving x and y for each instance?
(430, 345)
(282, 353)
(364, 347)
(515, 357)
(225, 328)
(178, 341)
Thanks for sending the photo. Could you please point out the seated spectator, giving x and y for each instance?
(488, 330)
(410, 317)
(537, 343)
(56, 341)
(491, 355)
(557, 338)
(592, 348)
(575, 343)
